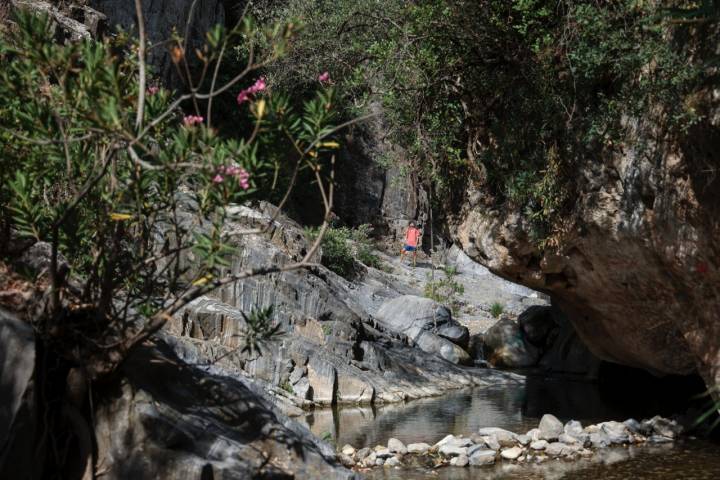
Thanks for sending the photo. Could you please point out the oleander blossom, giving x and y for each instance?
(152, 90)
(191, 120)
(240, 174)
(324, 77)
(218, 178)
(246, 94)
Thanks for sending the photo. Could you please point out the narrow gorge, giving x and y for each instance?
(203, 205)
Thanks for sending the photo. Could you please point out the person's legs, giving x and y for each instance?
(414, 257)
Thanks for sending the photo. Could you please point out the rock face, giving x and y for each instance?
(161, 17)
(170, 419)
(371, 187)
(360, 342)
(638, 262)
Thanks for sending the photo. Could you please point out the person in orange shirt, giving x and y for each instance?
(412, 239)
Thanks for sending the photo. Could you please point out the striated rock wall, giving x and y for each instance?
(638, 264)
(162, 17)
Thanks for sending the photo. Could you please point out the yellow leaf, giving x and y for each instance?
(260, 108)
(119, 217)
(202, 281)
(312, 153)
(330, 144)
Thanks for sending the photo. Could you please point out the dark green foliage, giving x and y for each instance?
(496, 309)
(512, 95)
(342, 247)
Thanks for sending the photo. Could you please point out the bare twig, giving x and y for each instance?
(141, 65)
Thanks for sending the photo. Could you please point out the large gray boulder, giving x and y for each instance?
(507, 347)
(423, 321)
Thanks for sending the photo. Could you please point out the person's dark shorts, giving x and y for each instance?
(408, 248)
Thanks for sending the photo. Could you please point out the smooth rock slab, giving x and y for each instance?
(511, 453)
(419, 448)
(482, 457)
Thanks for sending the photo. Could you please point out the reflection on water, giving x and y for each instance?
(516, 408)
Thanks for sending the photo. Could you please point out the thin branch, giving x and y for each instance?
(141, 65)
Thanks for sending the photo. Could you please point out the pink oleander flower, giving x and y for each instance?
(245, 95)
(243, 178)
(218, 178)
(190, 120)
(152, 90)
(324, 77)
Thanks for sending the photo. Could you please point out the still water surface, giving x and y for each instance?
(518, 408)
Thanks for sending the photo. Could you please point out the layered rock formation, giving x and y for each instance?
(638, 263)
(343, 342)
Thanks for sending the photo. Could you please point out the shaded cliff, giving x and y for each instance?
(636, 263)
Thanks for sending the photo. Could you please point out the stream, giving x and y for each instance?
(518, 408)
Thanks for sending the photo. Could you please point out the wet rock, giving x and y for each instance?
(616, 432)
(363, 453)
(383, 453)
(550, 427)
(379, 462)
(665, 427)
(396, 446)
(454, 441)
(460, 461)
(511, 453)
(659, 439)
(419, 448)
(506, 346)
(539, 445)
(633, 425)
(557, 449)
(536, 323)
(392, 462)
(567, 439)
(450, 450)
(573, 428)
(482, 457)
(491, 442)
(346, 460)
(600, 440)
(504, 437)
